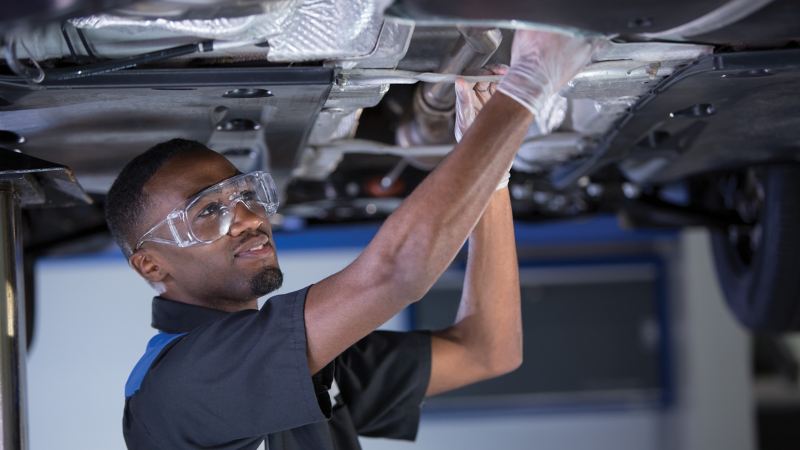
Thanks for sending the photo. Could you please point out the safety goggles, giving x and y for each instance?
(208, 215)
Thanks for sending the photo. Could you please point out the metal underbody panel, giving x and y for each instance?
(95, 124)
(741, 23)
(605, 16)
(75, 101)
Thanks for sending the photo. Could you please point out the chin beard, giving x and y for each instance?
(266, 281)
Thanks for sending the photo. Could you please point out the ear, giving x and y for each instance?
(148, 265)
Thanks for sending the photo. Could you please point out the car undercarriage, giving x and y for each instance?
(350, 103)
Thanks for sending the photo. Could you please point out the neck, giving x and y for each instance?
(219, 303)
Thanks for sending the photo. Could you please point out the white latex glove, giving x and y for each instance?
(470, 98)
(541, 64)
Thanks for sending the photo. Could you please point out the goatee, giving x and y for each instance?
(266, 281)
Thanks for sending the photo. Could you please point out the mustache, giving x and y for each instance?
(252, 239)
(254, 234)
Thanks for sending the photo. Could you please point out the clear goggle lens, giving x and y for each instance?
(209, 215)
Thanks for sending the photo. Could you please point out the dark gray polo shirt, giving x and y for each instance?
(212, 379)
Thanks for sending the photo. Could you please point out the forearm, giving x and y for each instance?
(419, 240)
(423, 236)
(486, 338)
(488, 320)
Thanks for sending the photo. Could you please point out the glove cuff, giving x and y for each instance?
(504, 182)
(527, 85)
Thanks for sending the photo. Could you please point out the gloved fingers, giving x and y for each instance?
(466, 97)
(485, 89)
(470, 98)
(497, 69)
(557, 56)
(541, 64)
(466, 105)
(463, 88)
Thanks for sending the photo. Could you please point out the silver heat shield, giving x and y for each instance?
(327, 29)
(296, 30)
(272, 21)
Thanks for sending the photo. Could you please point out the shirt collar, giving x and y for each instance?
(178, 317)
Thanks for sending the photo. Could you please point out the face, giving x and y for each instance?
(228, 273)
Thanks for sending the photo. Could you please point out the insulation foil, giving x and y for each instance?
(296, 30)
(329, 29)
(273, 19)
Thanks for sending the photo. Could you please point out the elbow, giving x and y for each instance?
(401, 284)
(407, 283)
(409, 292)
(406, 288)
(410, 263)
(506, 365)
(515, 363)
(414, 291)
(505, 361)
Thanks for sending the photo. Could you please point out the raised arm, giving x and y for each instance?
(486, 339)
(420, 239)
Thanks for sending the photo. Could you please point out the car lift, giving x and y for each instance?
(25, 181)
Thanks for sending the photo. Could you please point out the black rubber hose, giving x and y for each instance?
(128, 62)
(85, 43)
(68, 41)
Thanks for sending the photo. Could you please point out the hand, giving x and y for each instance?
(541, 64)
(470, 98)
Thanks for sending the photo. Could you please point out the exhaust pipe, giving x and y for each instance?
(434, 103)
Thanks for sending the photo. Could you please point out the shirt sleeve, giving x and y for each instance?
(383, 379)
(244, 375)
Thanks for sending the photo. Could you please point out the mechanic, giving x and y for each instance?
(223, 374)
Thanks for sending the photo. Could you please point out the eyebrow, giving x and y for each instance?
(236, 174)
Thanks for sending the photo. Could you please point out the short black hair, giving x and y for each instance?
(126, 200)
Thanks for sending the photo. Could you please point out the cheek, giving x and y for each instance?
(200, 262)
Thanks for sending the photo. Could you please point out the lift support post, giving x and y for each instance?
(24, 182)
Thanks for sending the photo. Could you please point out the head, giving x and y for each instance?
(221, 274)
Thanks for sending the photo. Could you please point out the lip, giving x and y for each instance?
(244, 250)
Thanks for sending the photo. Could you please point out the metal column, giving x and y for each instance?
(13, 401)
(24, 181)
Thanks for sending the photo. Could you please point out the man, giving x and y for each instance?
(222, 374)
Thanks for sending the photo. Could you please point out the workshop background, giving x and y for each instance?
(686, 118)
(628, 345)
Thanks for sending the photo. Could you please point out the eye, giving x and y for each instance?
(211, 210)
(248, 195)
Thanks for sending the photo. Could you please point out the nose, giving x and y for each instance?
(244, 219)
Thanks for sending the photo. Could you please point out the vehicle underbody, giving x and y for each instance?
(349, 103)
